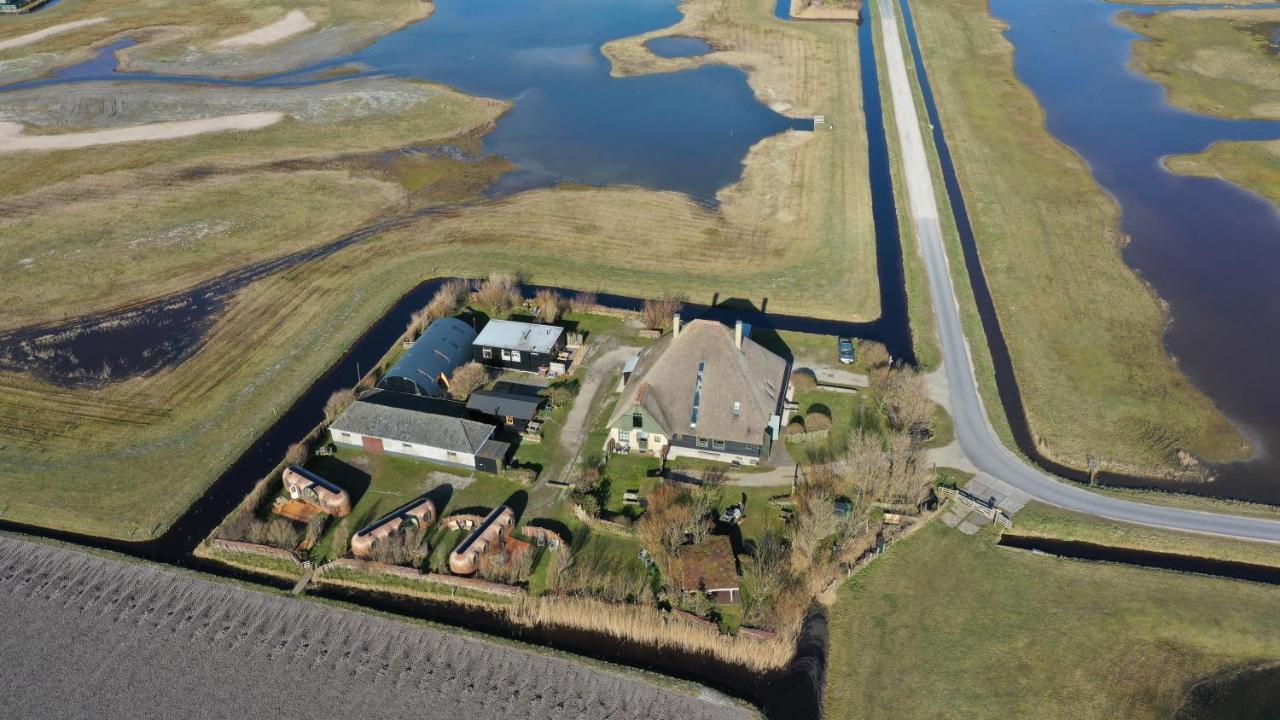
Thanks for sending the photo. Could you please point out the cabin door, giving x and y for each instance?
(372, 444)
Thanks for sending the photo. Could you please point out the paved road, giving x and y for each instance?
(973, 428)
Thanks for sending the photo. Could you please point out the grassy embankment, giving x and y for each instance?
(152, 444)
(1039, 520)
(946, 625)
(1214, 62)
(1084, 331)
(184, 36)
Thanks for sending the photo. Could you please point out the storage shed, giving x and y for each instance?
(419, 427)
(425, 367)
(518, 345)
(414, 514)
(513, 409)
(304, 485)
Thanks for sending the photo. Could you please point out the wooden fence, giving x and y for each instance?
(976, 504)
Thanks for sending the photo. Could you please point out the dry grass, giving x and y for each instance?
(1084, 331)
(799, 69)
(125, 460)
(178, 233)
(946, 625)
(1216, 62)
(168, 29)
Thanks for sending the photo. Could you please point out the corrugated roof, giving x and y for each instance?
(665, 383)
(522, 336)
(408, 418)
(493, 402)
(443, 347)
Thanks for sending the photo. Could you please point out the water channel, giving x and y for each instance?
(1209, 248)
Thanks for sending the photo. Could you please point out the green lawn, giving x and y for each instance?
(627, 472)
(381, 483)
(950, 626)
(844, 409)
(762, 517)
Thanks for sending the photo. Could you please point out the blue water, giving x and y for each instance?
(1208, 247)
(572, 122)
(678, 46)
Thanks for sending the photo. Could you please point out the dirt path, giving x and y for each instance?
(599, 374)
(13, 139)
(38, 35)
(295, 22)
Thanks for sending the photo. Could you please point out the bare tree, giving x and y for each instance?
(337, 403)
(905, 400)
(549, 305)
(876, 358)
(765, 576)
(585, 301)
(467, 379)
(657, 313)
(814, 525)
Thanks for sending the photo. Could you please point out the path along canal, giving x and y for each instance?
(1208, 247)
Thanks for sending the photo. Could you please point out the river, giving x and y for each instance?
(1209, 248)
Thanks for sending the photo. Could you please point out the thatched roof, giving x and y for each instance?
(665, 382)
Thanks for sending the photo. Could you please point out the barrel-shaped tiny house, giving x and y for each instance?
(488, 536)
(304, 485)
(420, 513)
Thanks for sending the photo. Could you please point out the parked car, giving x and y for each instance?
(845, 346)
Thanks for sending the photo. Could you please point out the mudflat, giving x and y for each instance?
(90, 637)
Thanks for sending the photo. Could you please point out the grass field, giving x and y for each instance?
(1215, 62)
(950, 626)
(1084, 331)
(1039, 520)
(182, 37)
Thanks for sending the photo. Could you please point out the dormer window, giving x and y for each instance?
(737, 408)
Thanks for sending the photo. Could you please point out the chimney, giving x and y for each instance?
(737, 334)
(675, 325)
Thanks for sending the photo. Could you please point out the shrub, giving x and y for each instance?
(795, 427)
(549, 305)
(562, 392)
(499, 293)
(297, 454)
(804, 379)
(817, 420)
(467, 379)
(584, 301)
(657, 313)
(523, 475)
(337, 403)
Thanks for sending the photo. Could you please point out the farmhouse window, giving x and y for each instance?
(406, 446)
(451, 455)
(717, 444)
(624, 435)
(702, 442)
(637, 420)
(345, 434)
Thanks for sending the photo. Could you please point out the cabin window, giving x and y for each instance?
(702, 442)
(506, 354)
(486, 353)
(717, 444)
(515, 356)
